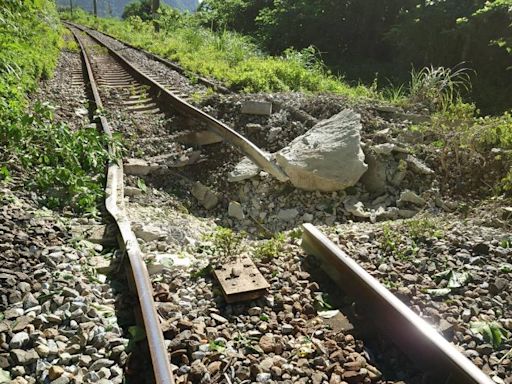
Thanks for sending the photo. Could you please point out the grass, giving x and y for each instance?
(404, 241)
(438, 87)
(65, 167)
(232, 58)
(459, 129)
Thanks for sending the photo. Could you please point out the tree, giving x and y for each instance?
(141, 8)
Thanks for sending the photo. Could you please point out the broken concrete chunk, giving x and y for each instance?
(204, 195)
(388, 148)
(328, 157)
(417, 166)
(355, 207)
(148, 232)
(257, 108)
(410, 197)
(199, 138)
(235, 210)
(138, 167)
(245, 169)
(252, 128)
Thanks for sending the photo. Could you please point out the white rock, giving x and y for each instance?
(19, 340)
(235, 210)
(138, 167)
(148, 232)
(408, 196)
(204, 195)
(388, 148)
(245, 169)
(328, 157)
(355, 207)
(81, 112)
(307, 217)
(417, 166)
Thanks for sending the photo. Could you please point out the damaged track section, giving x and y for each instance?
(451, 369)
(167, 97)
(128, 242)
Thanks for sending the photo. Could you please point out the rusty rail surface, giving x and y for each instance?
(244, 145)
(295, 112)
(413, 335)
(176, 67)
(128, 242)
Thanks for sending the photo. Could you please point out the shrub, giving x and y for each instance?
(270, 248)
(438, 88)
(227, 243)
(66, 167)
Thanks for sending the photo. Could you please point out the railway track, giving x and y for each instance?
(142, 95)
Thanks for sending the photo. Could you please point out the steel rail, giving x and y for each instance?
(413, 335)
(176, 67)
(115, 207)
(244, 145)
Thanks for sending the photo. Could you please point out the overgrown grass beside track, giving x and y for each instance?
(65, 167)
(229, 57)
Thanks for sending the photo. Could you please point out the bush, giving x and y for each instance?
(66, 167)
(139, 8)
(438, 88)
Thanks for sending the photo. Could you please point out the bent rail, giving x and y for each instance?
(411, 333)
(244, 145)
(114, 206)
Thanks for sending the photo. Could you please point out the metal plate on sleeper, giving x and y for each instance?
(241, 280)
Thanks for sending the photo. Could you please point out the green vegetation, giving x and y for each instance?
(270, 249)
(362, 38)
(136, 335)
(403, 241)
(492, 332)
(438, 88)
(233, 59)
(459, 129)
(322, 301)
(216, 346)
(142, 9)
(64, 166)
(227, 243)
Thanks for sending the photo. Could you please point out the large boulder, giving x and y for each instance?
(328, 157)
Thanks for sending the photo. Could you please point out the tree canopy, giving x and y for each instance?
(385, 36)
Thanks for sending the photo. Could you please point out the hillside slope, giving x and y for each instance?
(115, 8)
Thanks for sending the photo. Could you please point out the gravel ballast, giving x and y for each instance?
(58, 321)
